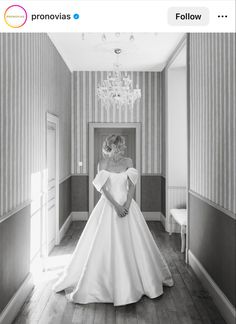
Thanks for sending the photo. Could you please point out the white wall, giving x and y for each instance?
(177, 128)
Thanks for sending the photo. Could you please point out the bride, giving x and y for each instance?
(116, 259)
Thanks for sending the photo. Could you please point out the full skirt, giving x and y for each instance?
(115, 261)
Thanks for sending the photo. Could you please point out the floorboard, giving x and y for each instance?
(185, 303)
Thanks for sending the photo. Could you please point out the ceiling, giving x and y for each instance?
(89, 52)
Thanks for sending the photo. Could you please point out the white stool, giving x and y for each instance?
(180, 216)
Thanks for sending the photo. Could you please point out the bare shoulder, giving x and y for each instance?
(128, 162)
(102, 164)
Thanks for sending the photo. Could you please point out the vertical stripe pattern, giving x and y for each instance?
(87, 108)
(33, 80)
(213, 118)
(163, 124)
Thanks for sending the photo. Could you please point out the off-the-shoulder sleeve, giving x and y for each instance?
(100, 179)
(133, 175)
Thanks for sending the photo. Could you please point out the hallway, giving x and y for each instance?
(187, 302)
(181, 134)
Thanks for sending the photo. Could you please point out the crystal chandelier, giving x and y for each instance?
(117, 90)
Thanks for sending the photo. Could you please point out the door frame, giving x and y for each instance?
(54, 120)
(92, 127)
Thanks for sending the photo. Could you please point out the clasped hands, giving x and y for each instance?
(122, 211)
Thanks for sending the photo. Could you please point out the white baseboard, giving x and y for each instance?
(152, 216)
(12, 309)
(65, 227)
(226, 309)
(163, 220)
(78, 216)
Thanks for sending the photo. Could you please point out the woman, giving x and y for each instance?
(116, 259)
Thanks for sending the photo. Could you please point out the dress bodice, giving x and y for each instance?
(116, 183)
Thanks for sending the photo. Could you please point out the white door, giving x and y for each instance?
(51, 222)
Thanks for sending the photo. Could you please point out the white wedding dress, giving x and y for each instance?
(116, 259)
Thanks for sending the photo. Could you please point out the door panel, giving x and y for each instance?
(100, 134)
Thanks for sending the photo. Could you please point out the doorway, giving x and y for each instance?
(176, 135)
(97, 134)
(52, 210)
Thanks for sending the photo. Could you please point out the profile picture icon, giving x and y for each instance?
(15, 16)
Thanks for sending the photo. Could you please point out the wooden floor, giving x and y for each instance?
(185, 303)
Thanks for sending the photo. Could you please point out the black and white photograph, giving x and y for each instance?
(117, 178)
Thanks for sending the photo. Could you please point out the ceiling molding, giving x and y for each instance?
(147, 52)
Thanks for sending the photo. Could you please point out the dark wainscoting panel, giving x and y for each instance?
(80, 193)
(163, 196)
(64, 201)
(151, 193)
(212, 241)
(14, 254)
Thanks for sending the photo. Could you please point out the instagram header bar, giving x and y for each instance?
(113, 16)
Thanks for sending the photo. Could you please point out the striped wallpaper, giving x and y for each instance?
(163, 123)
(33, 80)
(87, 108)
(213, 118)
